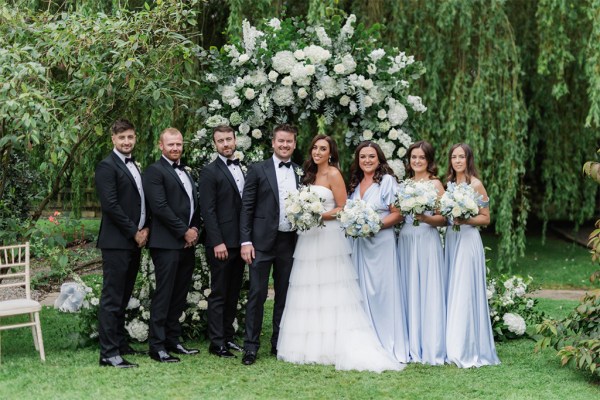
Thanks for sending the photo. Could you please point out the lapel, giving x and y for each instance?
(296, 176)
(171, 171)
(221, 166)
(269, 168)
(121, 165)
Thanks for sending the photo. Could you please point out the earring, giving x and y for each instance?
(329, 159)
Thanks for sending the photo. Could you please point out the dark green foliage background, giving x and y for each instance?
(518, 80)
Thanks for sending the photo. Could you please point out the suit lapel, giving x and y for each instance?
(121, 165)
(221, 166)
(269, 168)
(171, 171)
(296, 176)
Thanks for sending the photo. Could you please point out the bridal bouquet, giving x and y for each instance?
(416, 197)
(359, 219)
(304, 209)
(460, 201)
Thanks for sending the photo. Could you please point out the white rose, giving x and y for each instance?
(203, 304)
(367, 134)
(381, 114)
(368, 101)
(401, 152)
(371, 69)
(353, 108)
(339, 68)
(299, 54)
(393, 135)
(309, 69)
(273, 76)
(320, 94)
(344, 100)
(287, 81)
(250, 93)
(256, 133)
(302, 93)
(243, 58)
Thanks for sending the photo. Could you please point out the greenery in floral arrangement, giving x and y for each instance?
(512, 311)
(137, 314)
(576, 337)
(332, 73)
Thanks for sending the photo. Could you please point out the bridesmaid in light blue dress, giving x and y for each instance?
(469, 336)
(375, 258)
(422, 267)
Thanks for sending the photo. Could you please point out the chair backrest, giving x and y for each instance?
(14, 267)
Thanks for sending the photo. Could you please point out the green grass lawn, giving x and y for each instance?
(74, 374)
(556, 264)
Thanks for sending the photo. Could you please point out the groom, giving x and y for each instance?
(267, 236)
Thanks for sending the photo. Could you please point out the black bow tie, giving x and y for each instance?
(178, 166)
(129, 159)
(235, 161)
(285, 164)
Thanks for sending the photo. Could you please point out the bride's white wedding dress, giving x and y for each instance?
(324, 321)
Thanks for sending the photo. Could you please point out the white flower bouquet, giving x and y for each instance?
(304, 209)
(359, 219)
(416, 197)
(460, 201)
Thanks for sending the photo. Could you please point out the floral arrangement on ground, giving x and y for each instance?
(288, 72)
(137, 315)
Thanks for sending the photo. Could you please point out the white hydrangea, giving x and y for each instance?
(387, 147)
(275, 24)
(316, 54)
(133, 303)
(137, 329)
(404, 138)
(398, 167)
(212, 78)
(256, 78)
(348, 29)
(232, 51)
(515, 323)
(349, 63)
(240, 156)
(283, 61)
(242, 59)
(397, 114)
(235, 118)
(94, 301)
(301, 74)
(244, 128)
(216, 120)
(329, 86)
(377, 54)
(353, 108)
(214, 105)
(283, 96)
(299, 54)
(416, 103)
(193, 297)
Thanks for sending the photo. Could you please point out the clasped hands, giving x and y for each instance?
(191, 237)
(141, 237)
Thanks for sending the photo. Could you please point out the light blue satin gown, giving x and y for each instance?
(469, 336)
(424, 281)
(376, 262)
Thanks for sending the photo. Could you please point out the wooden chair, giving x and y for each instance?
(14, 272)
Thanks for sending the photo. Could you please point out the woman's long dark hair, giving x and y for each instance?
(429, 151)
(357, 174)
(310, 168)
(470, 170)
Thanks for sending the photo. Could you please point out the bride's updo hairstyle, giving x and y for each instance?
(470, 170)
(429, 151)
(357, 174)
(310, 168)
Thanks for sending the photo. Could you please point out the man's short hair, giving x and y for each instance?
(223, 128)
(286, 128)
(170, 131)
(121, 125)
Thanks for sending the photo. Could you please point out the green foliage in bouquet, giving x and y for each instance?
(512, 311)
(287, 71)
(576, 337)
(137, 315)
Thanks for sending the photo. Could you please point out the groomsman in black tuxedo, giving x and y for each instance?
(123, 232)
(267, 236)
(221, 184)
(172, 198)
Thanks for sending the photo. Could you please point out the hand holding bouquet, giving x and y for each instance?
(304, 209)
(359, 219)
(416, 197)
(460, 201)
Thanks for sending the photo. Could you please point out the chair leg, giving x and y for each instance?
(34, 333)
(40, 340)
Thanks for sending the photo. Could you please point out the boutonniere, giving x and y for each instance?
(187, 169)
(138, 165)
(299, 171)
(244, 168)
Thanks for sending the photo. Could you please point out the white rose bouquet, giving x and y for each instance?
(304, 209)
(359, 219)
(460, 201)
(416, 197)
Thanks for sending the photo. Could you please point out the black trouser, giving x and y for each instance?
(281, 258)
(173, 270)
(119, 270)
(225, 283)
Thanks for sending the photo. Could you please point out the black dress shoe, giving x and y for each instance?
(127, 351)
(221, 351)
(249, 358)
(274, 351)
(233, 346)
(163, 356)
(117, 362)
(179, 349)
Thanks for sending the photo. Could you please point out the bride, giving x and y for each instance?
(324, 321)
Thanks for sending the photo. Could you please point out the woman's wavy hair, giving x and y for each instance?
(429, 151)
(470, 171)
(357, 174)
(310, 168)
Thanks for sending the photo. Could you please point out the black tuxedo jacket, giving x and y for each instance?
(170, 206)
(259, 219)
(220, 205)
(121, 204)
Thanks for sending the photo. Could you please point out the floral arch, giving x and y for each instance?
(288, 71)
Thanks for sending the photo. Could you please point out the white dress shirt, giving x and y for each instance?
(187, 184)
(137, 177)
(286, 183)
(237, 173)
